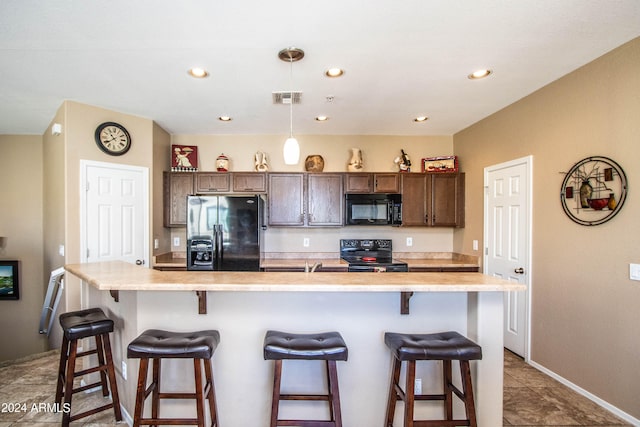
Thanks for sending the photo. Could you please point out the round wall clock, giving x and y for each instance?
(594, 190)
(113, 138)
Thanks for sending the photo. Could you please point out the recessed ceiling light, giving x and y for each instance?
(334, 72)
(479, 74)
(421, 119)
(198, 73)
(322, 118)
(225, 118)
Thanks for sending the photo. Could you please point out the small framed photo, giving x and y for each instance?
(440, 164)
(184, 158)
(9, 280)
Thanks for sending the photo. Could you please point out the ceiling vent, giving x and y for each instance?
(284, 98)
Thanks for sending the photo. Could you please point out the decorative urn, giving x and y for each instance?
(222, 163)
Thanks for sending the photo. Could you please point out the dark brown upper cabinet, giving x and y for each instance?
(371, 182)
(434, 200)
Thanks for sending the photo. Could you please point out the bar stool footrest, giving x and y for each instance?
(91, 412)
(306, 423)
(168, 421)
(323, 397)
(441, 423)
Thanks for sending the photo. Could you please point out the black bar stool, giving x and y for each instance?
(327, 346)
(444, 346)
(77, 325)
(157, 345)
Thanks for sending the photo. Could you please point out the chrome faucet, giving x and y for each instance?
(313, 268)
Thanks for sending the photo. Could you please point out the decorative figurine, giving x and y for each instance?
(222, 163)
(314, 163)
(260, 162)
(355, 163)
(403, 162)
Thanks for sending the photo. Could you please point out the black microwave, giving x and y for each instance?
(373, 209)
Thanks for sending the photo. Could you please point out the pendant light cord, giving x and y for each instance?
(291, 98)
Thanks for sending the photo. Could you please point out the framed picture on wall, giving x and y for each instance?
(184, 158)
(9, 280)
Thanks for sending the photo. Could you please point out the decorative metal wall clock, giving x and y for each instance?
(594, 190)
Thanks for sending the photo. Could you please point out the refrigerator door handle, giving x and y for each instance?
(220, 246)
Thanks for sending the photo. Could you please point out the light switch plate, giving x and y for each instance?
(634, 271)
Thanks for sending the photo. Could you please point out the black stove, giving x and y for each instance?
(370, 255)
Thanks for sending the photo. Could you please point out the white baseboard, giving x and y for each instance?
(126, 417)
(606, 405)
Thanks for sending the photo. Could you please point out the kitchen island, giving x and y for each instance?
(243, 305)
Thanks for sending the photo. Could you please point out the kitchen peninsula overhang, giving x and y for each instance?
(117, 276)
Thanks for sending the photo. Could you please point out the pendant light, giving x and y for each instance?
(291, 149)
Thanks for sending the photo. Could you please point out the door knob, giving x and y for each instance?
(139, 262)
(519, 270)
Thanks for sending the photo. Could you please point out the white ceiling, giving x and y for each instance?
(402, 58)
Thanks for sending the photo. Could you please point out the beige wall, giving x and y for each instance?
(21, 225)
(585, 312)
(81, 123)
(161, 161)
(54, 171)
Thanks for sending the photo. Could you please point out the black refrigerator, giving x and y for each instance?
(224, 233)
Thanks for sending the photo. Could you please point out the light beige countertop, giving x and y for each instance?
(122, 276)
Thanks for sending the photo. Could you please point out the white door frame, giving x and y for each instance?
(84, 166)
(528, 162)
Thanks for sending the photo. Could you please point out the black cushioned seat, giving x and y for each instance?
(442, 346)
(324, 346)
(439, 346)
(176, 345)
(320, 346)
(85, 323)
(156, 345)
(76, 325)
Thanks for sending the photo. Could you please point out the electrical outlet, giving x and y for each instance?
(475, 245)
(634, 271)
(305, 242)
(409, 241)
(176, 241)
(156, 243)
(417, 386)
(124, 369)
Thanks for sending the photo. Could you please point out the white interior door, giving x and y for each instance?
(507, 243)
(115, 213)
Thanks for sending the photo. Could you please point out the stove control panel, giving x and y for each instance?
(366, 244)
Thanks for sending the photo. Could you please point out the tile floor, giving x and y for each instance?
(531, 398)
